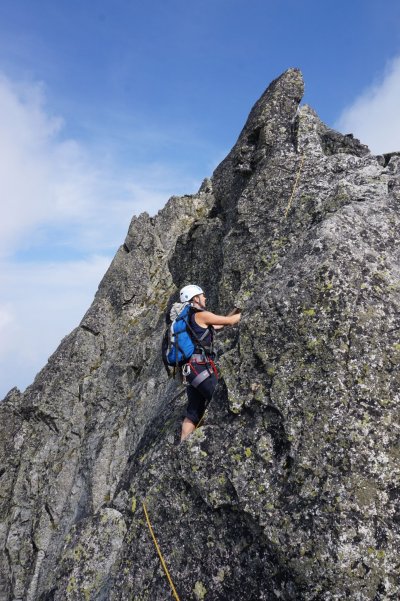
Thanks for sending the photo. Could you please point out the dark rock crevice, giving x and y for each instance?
(333, 142)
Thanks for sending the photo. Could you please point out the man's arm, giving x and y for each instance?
(206, 318)
(234, 311)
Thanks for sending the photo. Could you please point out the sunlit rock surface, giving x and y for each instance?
(290, 489)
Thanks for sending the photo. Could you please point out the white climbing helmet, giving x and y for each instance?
(188, 292)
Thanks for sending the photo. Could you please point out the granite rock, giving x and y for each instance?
(290, 488)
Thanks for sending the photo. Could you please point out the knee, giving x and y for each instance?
(187, 428)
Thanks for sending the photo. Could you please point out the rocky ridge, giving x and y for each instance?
(290, 489)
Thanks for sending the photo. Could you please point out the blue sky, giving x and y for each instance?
(108, 108)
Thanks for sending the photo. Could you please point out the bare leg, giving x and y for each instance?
(187, 428)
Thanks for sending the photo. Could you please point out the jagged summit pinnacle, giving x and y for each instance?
(281, 98)
(267, 129)
(289, 490)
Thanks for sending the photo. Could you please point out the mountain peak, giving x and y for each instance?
(289, 489)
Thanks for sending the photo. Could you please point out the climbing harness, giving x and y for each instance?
(199, 374)
(295, 186)
(164, 565)
(186, 370)
(180, 341)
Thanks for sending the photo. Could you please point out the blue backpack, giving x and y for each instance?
(179, 341)
(181, 346)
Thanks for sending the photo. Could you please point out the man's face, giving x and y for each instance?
(200, 300)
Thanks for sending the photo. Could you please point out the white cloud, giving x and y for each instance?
(42, 179)
(48, 180)
(58, 194)
(6, 319)
(41, 303)
(373, 117)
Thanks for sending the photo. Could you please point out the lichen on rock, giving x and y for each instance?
(290, 488)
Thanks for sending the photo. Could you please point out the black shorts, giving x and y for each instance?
(200, 396)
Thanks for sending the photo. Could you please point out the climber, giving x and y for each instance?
(200, 371)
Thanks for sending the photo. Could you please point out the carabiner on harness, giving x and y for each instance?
(186, 370)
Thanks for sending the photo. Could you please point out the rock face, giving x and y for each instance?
(290, 490)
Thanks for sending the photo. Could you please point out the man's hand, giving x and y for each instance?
(234, 311)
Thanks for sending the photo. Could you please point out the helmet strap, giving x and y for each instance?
(197, 306)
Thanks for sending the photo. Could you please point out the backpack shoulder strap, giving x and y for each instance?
(164, 349)
(193, 335)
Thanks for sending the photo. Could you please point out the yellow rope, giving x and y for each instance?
(201, 419)
(295, 186)
(164, 565)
